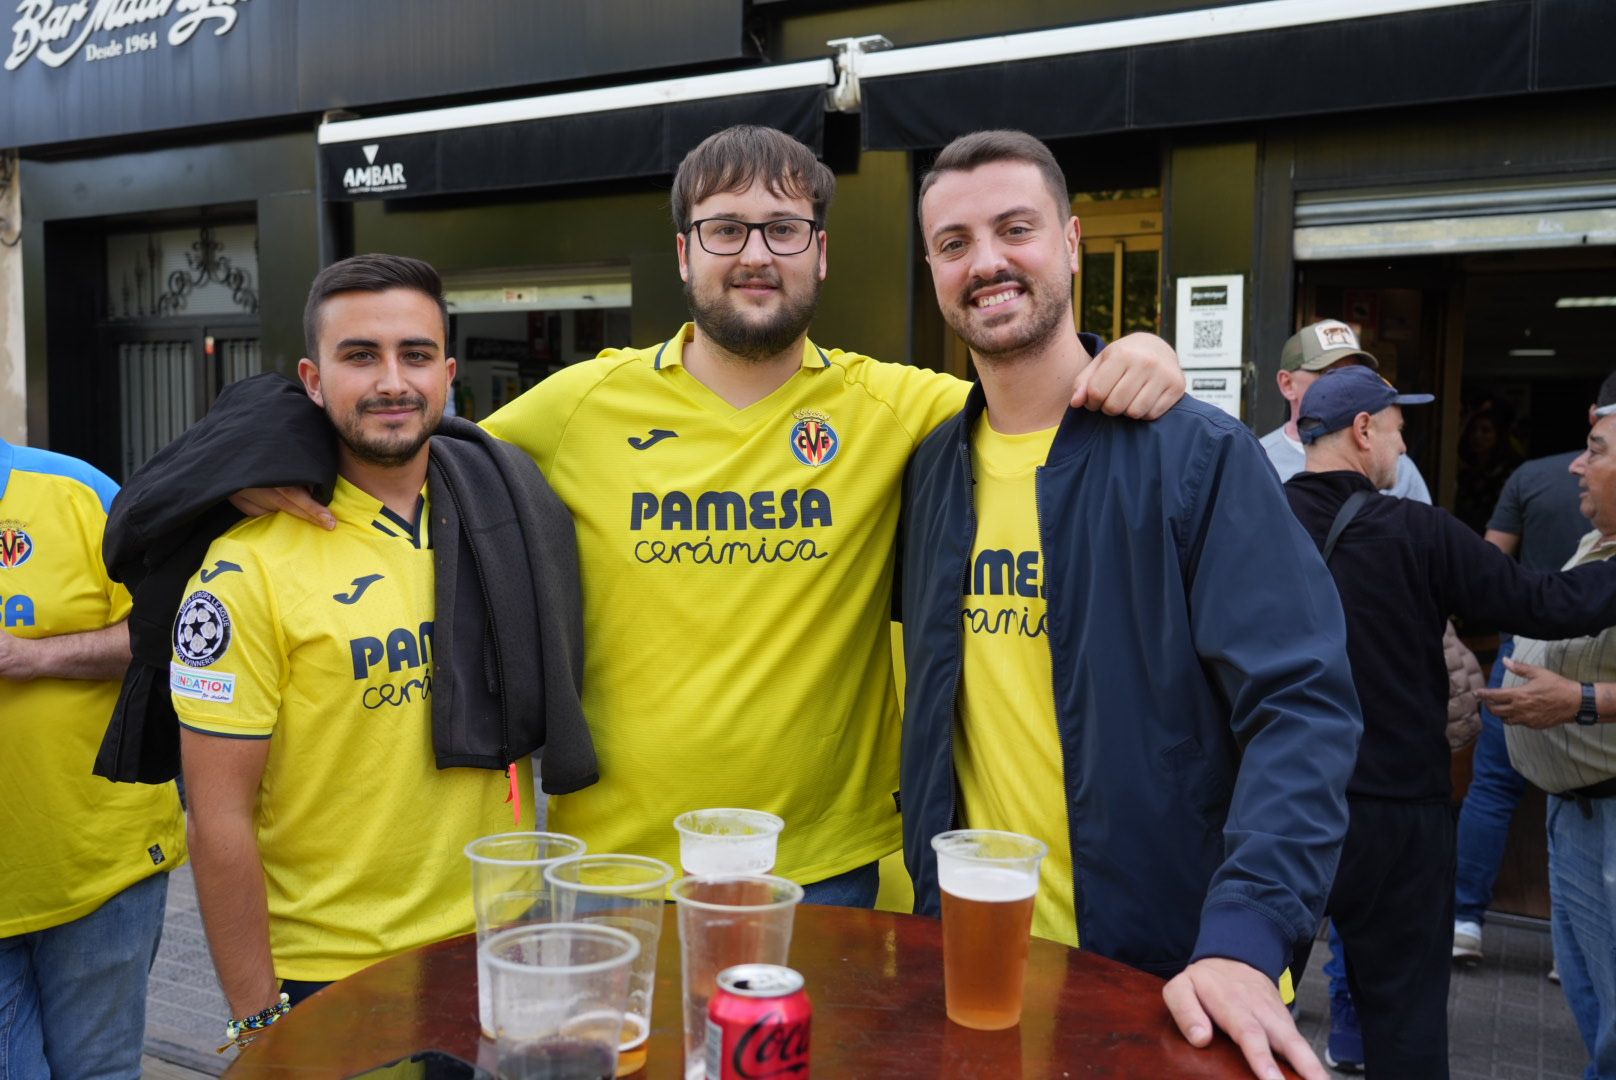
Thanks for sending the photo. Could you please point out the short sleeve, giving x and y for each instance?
(536, 421)
(229, 660)
(1509, 515)
(922, 399)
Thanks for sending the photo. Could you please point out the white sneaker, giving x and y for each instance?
(1466, 941)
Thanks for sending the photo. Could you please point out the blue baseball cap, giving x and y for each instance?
(1341, 394)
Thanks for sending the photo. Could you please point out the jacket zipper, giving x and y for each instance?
(959, 624)
(488, 606)
(1054, 694)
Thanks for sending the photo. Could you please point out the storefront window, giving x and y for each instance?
(1118, 289)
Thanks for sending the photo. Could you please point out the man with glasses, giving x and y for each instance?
(735, 491)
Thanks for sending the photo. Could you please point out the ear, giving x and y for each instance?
(1360, 429)
(1074, 237)
(824, 258)
(1283, 378)
(309, 372)
(450, 367)
(679, 242)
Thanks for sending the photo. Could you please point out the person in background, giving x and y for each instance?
(1314, 349)
(1558, 701)
(1402, 568)
(86, 861)
(1538, 520)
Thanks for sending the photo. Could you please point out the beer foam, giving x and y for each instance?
(986, 884)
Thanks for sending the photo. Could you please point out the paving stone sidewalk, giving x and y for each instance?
(1507, 1021)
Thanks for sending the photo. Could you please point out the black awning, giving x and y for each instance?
(1445, 54)
(616, 145)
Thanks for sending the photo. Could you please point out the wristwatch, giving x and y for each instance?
(1588, 714)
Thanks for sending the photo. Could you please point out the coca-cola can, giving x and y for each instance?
(757, 1024)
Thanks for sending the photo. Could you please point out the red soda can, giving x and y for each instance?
(757, 1024)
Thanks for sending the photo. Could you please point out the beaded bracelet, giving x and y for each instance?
(241, 1032)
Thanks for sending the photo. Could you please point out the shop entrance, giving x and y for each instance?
(1514, 345)
(512, 329)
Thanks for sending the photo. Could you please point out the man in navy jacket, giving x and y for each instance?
(1147, 667)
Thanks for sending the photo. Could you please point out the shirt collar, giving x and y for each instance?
(358, 507)
(5, 466)
(672, 352)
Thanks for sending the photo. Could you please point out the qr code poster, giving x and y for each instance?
(1210, 315)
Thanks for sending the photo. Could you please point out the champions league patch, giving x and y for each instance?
(813, 440)
(16, 546)
(202, 631)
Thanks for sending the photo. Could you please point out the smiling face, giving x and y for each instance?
(754, 305)
(1002, 253)
(382, 376)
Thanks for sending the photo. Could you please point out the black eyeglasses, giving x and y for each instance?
(727, 236)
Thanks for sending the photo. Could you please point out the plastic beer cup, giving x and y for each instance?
(508, 889)
(557, 991)
(989, 881)
(725, 921)
(625, 892)
(727, 841)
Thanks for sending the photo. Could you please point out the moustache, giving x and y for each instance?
(415, 402)
(765, 278)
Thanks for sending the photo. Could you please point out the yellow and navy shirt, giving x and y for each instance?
(1007, 750)
(322, 643)
(737, 580)
(69, 841)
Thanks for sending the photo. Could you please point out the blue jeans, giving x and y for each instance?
(1336, 966)
(1583, 913)
(856, 888)
(1489, 806)
(73, 997)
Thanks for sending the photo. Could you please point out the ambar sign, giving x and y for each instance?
(54, 33)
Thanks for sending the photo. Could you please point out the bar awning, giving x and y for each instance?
(1232, 63)
(614, 133)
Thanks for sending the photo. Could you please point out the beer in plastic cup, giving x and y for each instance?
(727, 841)
(725, 921)
(557, 991)
(625, 892)
(508, 889)
(989, 880)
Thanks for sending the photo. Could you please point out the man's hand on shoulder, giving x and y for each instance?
(256, 502)
(1136, 376)
(1544, 700)
(1244, 1003)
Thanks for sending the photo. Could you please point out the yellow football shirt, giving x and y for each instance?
(69, 841)
(322, 643)
(1007, 750)
(737, 575)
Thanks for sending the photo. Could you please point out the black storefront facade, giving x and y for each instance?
(1442, 174)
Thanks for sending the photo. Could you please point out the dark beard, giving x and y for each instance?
(389, 454)
(722, 321)
(1043, 325)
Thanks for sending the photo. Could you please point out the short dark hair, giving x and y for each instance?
(980, 148)
(1607, 391)
(370, 273)
(737, 157)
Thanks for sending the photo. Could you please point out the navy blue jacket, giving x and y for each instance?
(1207, 715)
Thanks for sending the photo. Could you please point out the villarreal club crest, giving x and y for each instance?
(15, 545)
(813, 440)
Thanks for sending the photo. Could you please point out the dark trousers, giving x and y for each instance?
(1393, 905)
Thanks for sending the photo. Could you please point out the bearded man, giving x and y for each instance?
(1146, 666)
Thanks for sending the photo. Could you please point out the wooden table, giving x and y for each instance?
(876, 980)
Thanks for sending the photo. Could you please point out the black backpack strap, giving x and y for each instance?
(1343, 518)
